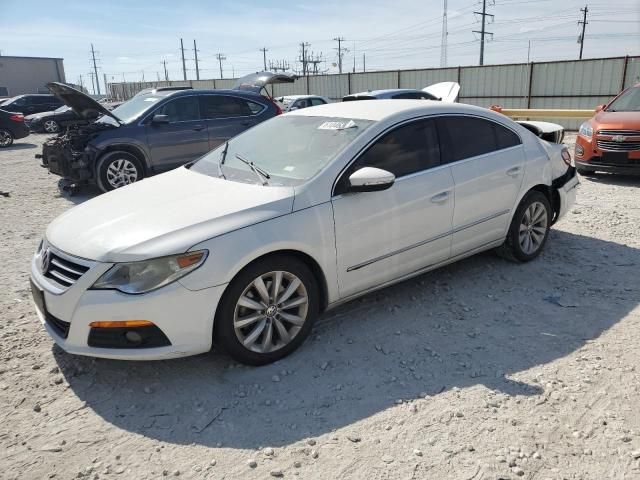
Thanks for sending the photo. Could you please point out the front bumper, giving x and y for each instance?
(589, 156)
(184, 316)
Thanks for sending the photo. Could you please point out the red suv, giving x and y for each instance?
(610, 140)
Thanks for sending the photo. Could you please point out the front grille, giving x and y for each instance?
(618, 146)
(626, 133)
(63, 271)
(59, 326)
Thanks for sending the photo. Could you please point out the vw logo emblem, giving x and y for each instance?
(44, 261)
(618, 138)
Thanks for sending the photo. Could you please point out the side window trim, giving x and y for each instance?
(264, 107)
(364, 149)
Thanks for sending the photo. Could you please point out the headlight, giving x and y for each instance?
(586, 130)
(147, 275)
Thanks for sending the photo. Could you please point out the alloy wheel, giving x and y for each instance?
(533, 228)
(121, 172)
(5, 138)
(271, 311)
(50, 126)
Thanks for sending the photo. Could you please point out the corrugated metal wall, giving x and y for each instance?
(563, 84)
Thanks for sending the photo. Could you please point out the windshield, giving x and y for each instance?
(291, 149)
(133, 108)
(629, 101)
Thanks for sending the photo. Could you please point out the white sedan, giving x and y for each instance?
(247, 246)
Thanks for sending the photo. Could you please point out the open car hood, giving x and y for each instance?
(254, 82)
(445, 91)
(81, 103)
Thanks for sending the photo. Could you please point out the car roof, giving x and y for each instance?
(377, 110)
(383, 93)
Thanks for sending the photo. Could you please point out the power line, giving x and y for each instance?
(583, 22)
(483, 31)
(184, 66)
(220, 57)
(95, 69)
(195, 52)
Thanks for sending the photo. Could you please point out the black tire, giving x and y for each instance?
(102, 169)
(6, 138)
(224, 335)
(512, 249)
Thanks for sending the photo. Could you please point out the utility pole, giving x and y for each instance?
(81, 83)
(529, 52)
(303, 58)
(158, 75)
(364, 62)
(195, 52)
(340, 52)
(166, 74)
(583, 22)
(220, 57)
(483, 31)
(106, 88)
(354, 57)
(93, 84)
(443, 41)
(143, 81)
(184, 67)
(264, 51)
(124, 80)
(95, 68)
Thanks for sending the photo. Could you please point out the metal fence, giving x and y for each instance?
(560, 84)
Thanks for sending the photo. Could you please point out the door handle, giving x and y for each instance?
(440, 198)
(197, 128)
(514, 172)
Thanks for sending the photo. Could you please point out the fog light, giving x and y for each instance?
(133, 337)
(579, 150)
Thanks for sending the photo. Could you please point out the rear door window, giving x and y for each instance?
(222, 106)
(467, 137)
(317, 101)
(182, 109)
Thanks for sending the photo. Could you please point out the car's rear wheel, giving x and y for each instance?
(118, 169)
(267, 311)
(50, 126)
(6, 139)
(529, 228)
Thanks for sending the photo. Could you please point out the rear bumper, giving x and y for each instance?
(565, 190)
(19, 130)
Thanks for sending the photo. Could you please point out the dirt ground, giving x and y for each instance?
(481, 370)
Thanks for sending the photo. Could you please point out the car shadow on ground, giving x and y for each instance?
(19, 146)
(477, 322)
(613, 179)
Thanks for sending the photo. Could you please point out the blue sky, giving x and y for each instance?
(133, 37)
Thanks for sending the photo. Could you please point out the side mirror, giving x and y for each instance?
(371, 179)
(160, 119)
(599, 108)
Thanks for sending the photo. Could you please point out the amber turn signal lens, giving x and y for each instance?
(121, 324)
(189, 259)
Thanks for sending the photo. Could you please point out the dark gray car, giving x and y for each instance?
(151, 133)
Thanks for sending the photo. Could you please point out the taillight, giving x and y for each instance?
(16, 117)
(566, 156)
(278, 109)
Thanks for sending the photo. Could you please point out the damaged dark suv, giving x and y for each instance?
(151, 133)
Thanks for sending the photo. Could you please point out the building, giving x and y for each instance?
(20, 75)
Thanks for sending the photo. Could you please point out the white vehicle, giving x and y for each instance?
(296, 102)
(248, 245)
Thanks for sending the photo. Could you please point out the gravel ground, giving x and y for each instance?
(481, 370)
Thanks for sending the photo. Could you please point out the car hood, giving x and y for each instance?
(254, 82)
(81, 103)
(164, 215)
(617, 120)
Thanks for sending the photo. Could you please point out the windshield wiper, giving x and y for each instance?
(256, 169)
(223, 157)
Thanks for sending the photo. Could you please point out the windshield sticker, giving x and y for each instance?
(337, 125)
(150, 99)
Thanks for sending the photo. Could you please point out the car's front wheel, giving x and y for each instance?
(50, 126)
(267, 310)
(529, 228)
(6, 139)
(117, 169)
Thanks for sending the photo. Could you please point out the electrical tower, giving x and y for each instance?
(483, 32)
(315, 60)
(195, 52)
(303, 57)
(184, 66)
(341, 52)
(95, 69)
(264, 51)
(220, 57)
(279, 66)
(445, 34)
(584, 23)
